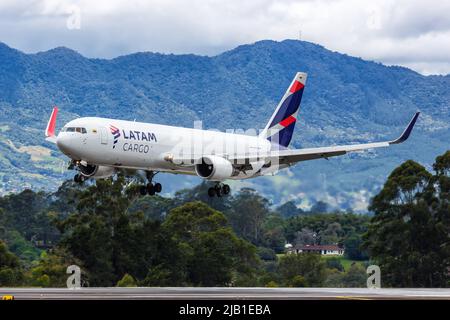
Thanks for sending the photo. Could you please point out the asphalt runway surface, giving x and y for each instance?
(224, 294)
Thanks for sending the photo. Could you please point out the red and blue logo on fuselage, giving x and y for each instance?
(116, 134)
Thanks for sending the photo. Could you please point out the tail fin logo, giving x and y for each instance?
(296, 86)
(116, 134)
(280, 128)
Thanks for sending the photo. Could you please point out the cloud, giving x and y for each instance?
(411, 33)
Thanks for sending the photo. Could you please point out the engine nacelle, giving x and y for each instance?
(96, 172)
(214, 168)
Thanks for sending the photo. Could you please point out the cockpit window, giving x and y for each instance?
(74, 129)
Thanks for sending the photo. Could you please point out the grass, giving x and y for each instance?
(346, 263)
(280, 255)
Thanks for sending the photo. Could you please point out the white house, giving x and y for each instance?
(322, 249)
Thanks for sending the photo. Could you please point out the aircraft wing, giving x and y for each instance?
(288, 157)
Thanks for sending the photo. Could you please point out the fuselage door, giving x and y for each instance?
(104, 135)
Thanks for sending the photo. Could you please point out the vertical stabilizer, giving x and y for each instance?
(280, 128)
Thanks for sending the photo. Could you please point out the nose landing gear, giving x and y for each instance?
(219, 190)
(79, 178)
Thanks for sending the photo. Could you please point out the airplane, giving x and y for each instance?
(100, 147)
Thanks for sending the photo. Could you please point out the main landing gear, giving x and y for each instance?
(219, 190)
(150, 188)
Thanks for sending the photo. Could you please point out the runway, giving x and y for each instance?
(224, 294)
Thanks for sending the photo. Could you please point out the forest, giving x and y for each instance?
(119, 238)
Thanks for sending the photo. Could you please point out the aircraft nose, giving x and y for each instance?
(63, 142)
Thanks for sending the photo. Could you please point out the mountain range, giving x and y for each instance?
(346, 100)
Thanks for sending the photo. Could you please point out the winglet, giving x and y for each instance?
(405, 135)
(51, 125)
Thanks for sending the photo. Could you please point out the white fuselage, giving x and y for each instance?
(146, 146)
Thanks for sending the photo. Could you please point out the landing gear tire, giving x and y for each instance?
(143, 190)
(219, 190)
(226, 189)
(211, 192)
(158, 187)
(151, 189)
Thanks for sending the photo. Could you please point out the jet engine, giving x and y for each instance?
(94, 171)
(214, 168)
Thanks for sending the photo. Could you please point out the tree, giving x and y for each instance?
(247, 214)
(441, 200)
(26, 223)
(350, 223)
(409, 233)
(161, 275)
(319, 207)
(334, 278)
(271, 284)
(355, 277)
(7, 259)
(126, 281)
(305, 237)
(51, 269)
(200, 193)
(442, 164)
(311, 267)
(22, 248)
(11, 273)
(289, 209)
(298, 281)
(154, 207)
(334, 263)
(23, 212)
(107, 239)
(331, 234)
(64, 200)
(266, 254)
(212, 252)
(273, 233)
(353, 250)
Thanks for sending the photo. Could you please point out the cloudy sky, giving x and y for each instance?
(411, 33)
